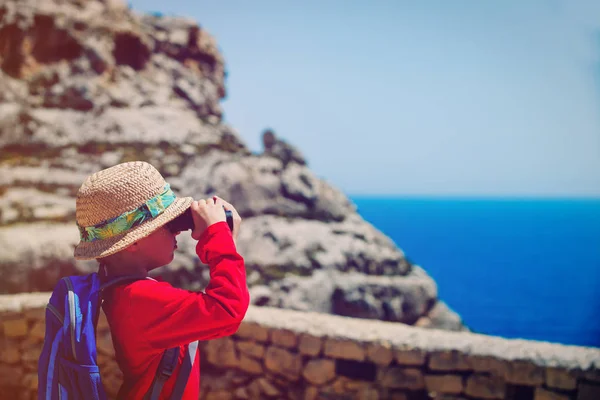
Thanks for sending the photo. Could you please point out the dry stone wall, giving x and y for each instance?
(286, 354)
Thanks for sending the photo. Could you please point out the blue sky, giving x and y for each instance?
(460, 98)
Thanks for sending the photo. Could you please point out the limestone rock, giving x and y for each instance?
(380, 353)
(15, 328)
(320, 371)
(444, 383)
(344, 349)
(404, 378)
(309, 345)
(283, 362)
(486, 387)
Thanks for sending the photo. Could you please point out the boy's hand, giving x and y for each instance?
(210, 211)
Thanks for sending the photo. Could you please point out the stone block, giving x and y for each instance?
(268, 388)
(355, 386)
(485, 387)
(283, 362)
(311, 393)
(402, 378)
(250, 365)
(344, 349)
(241, 393)
(10, 355)
(448, 361)
(15, 328)
(29, 342)
(524, 373)
(219, 395)
(545, 394)
(319, 372)
(560, 379)
(221, 352)
(238, 378)
(452, 384)
(31, 355)
(10, 375)
(251, 348)
(368, 393)
(254, 390)
(410, 357)
(488, 364)
(339, 385)
(36, 314)
(284, 338)
(310, 345)
(278, 380)
(30, 381)
(380, 353)
(38, 331)
(253, 331)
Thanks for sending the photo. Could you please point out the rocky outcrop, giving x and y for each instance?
(88, 84)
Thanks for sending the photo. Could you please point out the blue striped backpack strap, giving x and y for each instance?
(185, 370)
(166, 367)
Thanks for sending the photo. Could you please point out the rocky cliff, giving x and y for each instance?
(88, 84)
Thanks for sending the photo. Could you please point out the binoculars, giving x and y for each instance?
(185, 221)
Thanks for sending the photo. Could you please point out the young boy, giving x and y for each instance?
(123, 213)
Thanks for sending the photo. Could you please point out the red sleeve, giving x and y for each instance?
(169, 317)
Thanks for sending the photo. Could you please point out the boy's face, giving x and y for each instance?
(158, 248)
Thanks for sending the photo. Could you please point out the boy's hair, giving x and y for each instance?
(122, 204)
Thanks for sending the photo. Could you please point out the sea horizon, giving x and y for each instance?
(463, 197)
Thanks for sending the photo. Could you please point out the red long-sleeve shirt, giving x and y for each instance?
(146, 317)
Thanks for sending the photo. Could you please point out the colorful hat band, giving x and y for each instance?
(128, 220)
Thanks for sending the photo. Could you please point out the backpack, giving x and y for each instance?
(67, 367)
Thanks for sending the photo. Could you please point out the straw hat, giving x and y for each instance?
(122, 204)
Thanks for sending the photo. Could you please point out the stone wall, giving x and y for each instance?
(297, 355)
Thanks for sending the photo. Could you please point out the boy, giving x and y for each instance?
(123, 213)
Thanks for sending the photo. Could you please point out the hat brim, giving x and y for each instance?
(107, 247)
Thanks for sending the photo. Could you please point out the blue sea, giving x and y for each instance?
(513, 268)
